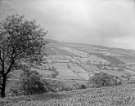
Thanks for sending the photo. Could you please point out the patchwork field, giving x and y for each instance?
(80, 61)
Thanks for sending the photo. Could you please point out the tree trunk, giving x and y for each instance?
(3, 89)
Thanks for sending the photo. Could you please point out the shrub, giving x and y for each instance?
(103, 79)
(83, 87)
(31, 83)
(55, 72)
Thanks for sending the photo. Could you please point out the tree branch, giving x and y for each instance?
(0, 86)
(10, 66)
(2, 64)
(12, 58)
(0, 57)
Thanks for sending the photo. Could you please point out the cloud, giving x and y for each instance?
(102, 22)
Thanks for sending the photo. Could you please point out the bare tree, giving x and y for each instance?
(20, 41)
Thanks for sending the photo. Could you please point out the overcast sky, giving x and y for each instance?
(100, 22)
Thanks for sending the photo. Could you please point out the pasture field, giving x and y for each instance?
(123, 95)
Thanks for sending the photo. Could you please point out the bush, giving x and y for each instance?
(31, 83)
(83, 87)
(103, 79)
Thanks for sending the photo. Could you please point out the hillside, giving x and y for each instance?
(74, 63)
(69, 65)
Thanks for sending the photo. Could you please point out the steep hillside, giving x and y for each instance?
(72, 62)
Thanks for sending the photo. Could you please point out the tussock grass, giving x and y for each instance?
(108, 96)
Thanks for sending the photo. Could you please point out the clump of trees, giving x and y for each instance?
(103, 79)
(21, 41)
(31, 83)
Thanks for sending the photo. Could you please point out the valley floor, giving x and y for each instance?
(108, 96)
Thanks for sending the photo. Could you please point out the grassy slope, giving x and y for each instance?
(109, 96)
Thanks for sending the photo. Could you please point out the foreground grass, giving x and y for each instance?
(110, 96)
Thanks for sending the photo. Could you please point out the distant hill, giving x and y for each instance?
(74, 63)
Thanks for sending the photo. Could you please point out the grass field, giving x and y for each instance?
(123, 95)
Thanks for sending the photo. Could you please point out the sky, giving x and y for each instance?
(100, 22)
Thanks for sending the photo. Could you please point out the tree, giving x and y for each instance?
(103, 79)
(21, 41)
